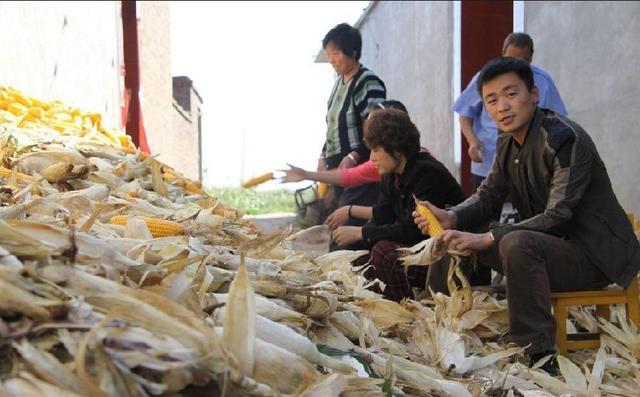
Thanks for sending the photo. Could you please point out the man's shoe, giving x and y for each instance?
(550, 366)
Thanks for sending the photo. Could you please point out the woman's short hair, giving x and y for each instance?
(392, 104)
(345, 38)
(392, 130)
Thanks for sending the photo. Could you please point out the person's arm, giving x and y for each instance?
(340, 216)
(361, 174)
(475, 146)
(297, 174)
(571, 175)
(469, 106)
(349, 161)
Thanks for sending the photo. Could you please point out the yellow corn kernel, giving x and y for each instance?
(35, 102)
(323, 188)
(157, 227)
(4, 104)
(17, 108)
(24, 178)
(95, 117)
(6, 117)
(434, 228)
(36, 112)
(258, 180)
(21, 99)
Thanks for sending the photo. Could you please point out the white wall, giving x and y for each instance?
(64, 50)
(592, 51)
(410, 46)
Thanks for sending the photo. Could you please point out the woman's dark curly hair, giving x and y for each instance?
(392, 130)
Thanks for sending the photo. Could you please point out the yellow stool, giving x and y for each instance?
(601, 299)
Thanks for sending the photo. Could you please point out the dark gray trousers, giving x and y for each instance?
(535, 264)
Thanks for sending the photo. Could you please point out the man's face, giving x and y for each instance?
(509, 103)
(523, 53)
(341, 63)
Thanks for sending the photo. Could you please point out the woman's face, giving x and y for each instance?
(341, 63)
(383, 161)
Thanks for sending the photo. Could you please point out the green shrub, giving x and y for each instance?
(254, 202)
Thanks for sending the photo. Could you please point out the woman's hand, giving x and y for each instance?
(347, 234)
(463, 241)
(322, 164)
(349, 161)
(294, 174)
(446, 218)
(338, 218)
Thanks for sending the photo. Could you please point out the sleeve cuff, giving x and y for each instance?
(499, 230)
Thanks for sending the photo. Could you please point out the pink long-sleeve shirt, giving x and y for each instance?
(361, 174)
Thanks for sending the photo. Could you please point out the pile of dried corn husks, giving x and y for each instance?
(94, 308)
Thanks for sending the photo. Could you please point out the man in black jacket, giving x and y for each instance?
(574, 234)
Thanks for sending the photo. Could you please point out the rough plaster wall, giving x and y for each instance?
(591, 50)
(168, 134)
(77, 62)
(185, 131)
(156, 89)
(410, 46)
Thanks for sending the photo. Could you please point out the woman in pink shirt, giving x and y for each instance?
(345, 177)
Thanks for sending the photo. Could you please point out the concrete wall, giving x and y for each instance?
(591, 50)
(169, 128)
(186, 125)
(156, 87)
(410, 46)
(64, 50)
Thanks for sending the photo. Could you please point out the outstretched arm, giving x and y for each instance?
(297, 174)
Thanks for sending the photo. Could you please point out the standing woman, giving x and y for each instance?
(356, 92)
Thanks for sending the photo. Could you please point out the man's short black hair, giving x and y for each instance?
(393, 130)
(503, 65)
(518, 39)
(345, 38)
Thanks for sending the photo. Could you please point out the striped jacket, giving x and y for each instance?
(364, 92)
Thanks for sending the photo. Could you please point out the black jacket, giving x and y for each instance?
(427, 179)
(560, 186)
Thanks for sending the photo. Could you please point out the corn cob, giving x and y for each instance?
(322, 189)
(433, 228)
(157, 227)
(258, 180)
(24, 178)
(17, 108)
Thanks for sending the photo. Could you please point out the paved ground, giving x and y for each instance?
(314, 243)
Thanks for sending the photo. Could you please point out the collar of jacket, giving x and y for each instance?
(534, 128)
(410, 170)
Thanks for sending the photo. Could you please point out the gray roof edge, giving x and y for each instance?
(320, 58)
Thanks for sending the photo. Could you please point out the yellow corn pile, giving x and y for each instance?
(434, 228)
(157, 227)
(258, 180)
(24, 178)
(28, 112)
